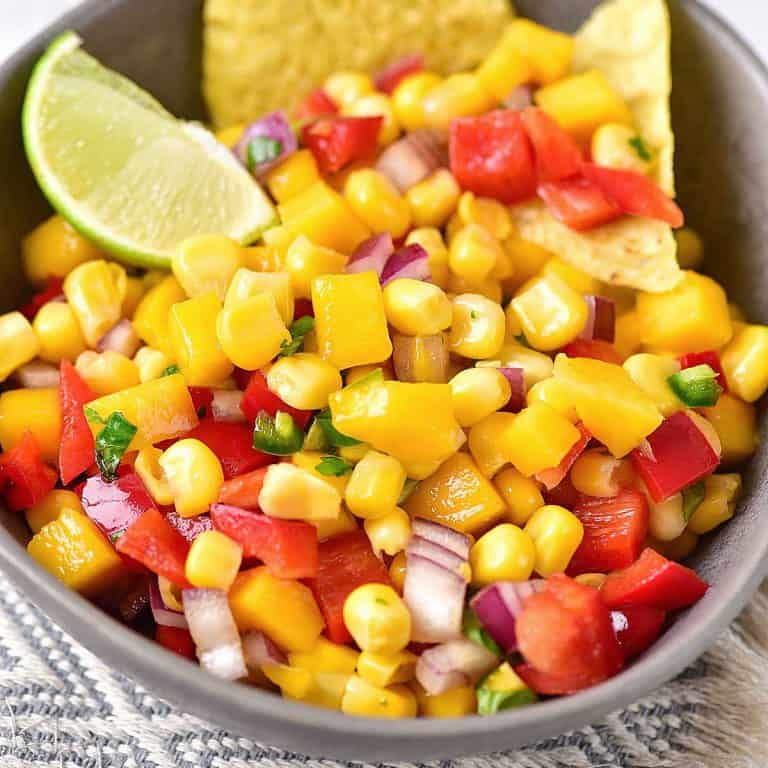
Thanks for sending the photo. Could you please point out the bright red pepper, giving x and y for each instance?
(202, 397)
(338, 141)
(594, 348)
(189, 527)
(565, 631)
(492, 156)
(316, 104)
(614, 532)
(53, 289)
(558, 156)
(345, 563)
(676, 455)
(653, 581)
(551, 478)
(152, 541)
(177, 640)
(259, 397)
(390, 77)
(563, 494)
(24, 477)
(303, 308)
(710, 358)
(243, 490)
(114, 506)
(287, 547)
(637, 628)
(578, 203)
(76, 449)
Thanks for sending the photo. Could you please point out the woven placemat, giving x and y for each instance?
(60, 706)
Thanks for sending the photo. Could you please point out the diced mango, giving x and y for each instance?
(487, 439)
(310, 459)
(736, 425)
(650, 373)
(547, 51)
(50, 506)
(150, 320)
(305, 260)
(457, 702)
(33, 410)
(366, 700)
(18, 343)
(745, 362)
(326, 656)
(293, 176)
(386, 669)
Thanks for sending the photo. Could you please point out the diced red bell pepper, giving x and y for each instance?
(345, 563)
(339, 141)
(634, 193)
(189, 527)
(243, 490)
(594, 348)
(492, 156)
(578, 203)
(563, 494)
(316, 104)
(558, 156)
(653, 581)
(259, 397)
(303, 308)
(390, 77)
(114, 506)
(637, 628)
(673, 457)
(551, 478)
(710, 358)
(287, 547)
(177, 640)
(614, 532)
(52, 290)
(76, 448)
(24, 477)
(202, 397)
(152, 541)
(566, 631)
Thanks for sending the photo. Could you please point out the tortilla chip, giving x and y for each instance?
(261, 55)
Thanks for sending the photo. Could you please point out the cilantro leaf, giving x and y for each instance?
(642, 151)
(693, 496)
(92, 416)
(111, 444)
(298, 330)
(333, 466)
(170, 370)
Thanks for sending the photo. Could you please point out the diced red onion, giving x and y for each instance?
(601, 322)
(164, 615)
(371, 255)
(456, 542)
(521, 97)
(409, 261)
(435, 552)
(226, 405)
(259, 649)
(120, 338)
(431, 352)
(275, 125)
(498, 606)
(413, 158)
(516, 378)
(452, 665)
(214, 631)
(37, 375)
(387, 79)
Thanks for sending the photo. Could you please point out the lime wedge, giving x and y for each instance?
(125, 172)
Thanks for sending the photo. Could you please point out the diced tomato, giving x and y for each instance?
(345, 563)
(594, 348)
(114, 506)
(25, 478)
(316, 104)
(241, 377)
(557, 155)
(390, 77)
(551, 478)
(259, 397)
(53, 289)
(152, 541)
(202, 397)
(614, 532)
(566, 631)
(303, 308)
(76, 449)
(578, 203)
(492, 156)
(654, 582)
(673, 457)
(339, 141)
(637, 628)
(287, 547)
(189, 527)
(243, 490)
(550, 685)
(634, 193)
(710, 358)
(177, 640)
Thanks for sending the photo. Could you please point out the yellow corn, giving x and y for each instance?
(556, 534)
(650, 373)
(536, 365)
(376, 202)
(135, 288)
(690, 248)
(431, 240)
(375, 485)
(147, 467)
(377, 619)
(679, 549)
(293, 176)
(486, 439)
(628, 337)
(552, 393)
(619, 146)
(50, 506)
(213, 561)
(390, 532)
(325, 656)
(397, 571)
(18, 342)
(150, 320)
(597, 473)
(247, 283)
(58, 333)
(194, 476)
(478, 327)
(107, 372)
(473, 253)
(408, 99)
(33, 410)
(486, 213)
(745, 362)
(527, 258)
(304, 381)
(720, 495)
(521, 494)
(736, 425)
(347, 86)
(365, 700)
(305, 261)
(457, 702)
(417, 308)
(151, 363)
(505, 553)
(477, 393)
(490, 287)
(376, 104)
(205, 264)
(665, 519)
(580, 281)
(292, 493)
(387, 669)
(459, 95)
(434, 199)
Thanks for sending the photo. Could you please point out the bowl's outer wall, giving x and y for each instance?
(720, 106)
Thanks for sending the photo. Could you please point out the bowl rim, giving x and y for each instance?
(239, 706)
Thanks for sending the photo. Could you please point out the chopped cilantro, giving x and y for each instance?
(333, 466)
(298, 330)
(111, 444)
(642, 151)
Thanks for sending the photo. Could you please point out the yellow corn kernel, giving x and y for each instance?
(486, 213)
(536, 365)
(505, 553)
(459, 95)
(205, 264)
(376, 202)
(458, 702)
(434, 199)
(504, 268)
(580, 281)
(304, 381)
(486, 439)
(57, 330)
(49, 508)
(294, 683)
(365, 700)
(556, 534)
(417, 308)
(387, 669)
(597, 473)
(377, 619)
(692, 317)
(521, 494)
(390, 532)
(503, 69)
(745, 362)
(347, 86)
(628, 338)
(213, 561)
(527, 258)
(293, 175)
(650, 373)
(192, 333)
(552, 393)
(292, 493)
(194, 476)
(478, 327)
(431, 240)
(477, 393)
(247, 283)
(397, 571)
(372, 105)
(327, 529)
(594, 580)
(309, 461)
(305, 261)
(135, 288)
(151, 363)
(53, 249)
(720, 495)
(736, 425)
(490, 287)
(147, 467)
(18, 342)
(690, 248)
(680, 549)
(107, 372)
(665, 519)
(619, 146)
(421, 470)
(375, 485)
(33, 410)
(408, 99)
(474, 253)
(150, 320)
(582, 103)
(95, 292)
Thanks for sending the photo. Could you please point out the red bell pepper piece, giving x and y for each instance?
(114, 506)
(243, 490)
(259, 397)
(594, 348)
(551, 478)
(202, 397)
(614, 532)
(676, 455)
(287, 547)
(152, 541)
(189, 527)
(492, 156)
(710, 358)
(316, 104)
(578, 203)
(177, 640)
(52, 290)
(390, 77)
(637, 628)
(24, 477)
(76, 449)
(302, 308)
(634, 193)
(563, 494)
(653, 581)
(558, 156)
(338, 141)
(565, 631)
(345, 563)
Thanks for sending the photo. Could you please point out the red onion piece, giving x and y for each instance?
(120, 338)
(387, 79)
(519, 98)
(452, 665)
(409, 261)
(371, 255)
(164, 615)
(498, 606)
(226, 405)
(37, 375)
(456, 542)
(516, 378)
(601, 322)
(420, 358)
(436, 553)
(275, 125)
(413, 158)
(214, 631)
(259, 649)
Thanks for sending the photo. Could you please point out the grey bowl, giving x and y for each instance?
(720, 113)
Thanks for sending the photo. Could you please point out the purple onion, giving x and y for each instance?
(120, 338)
(516, 378)
(409, 261)
(163, 614)
(452, 665)
(601, 322)
(436, 553)
(371, 255)
(413, 158)
(259, 650)
(456, 542)
(275, 126)
(521, 97)
(226, 405)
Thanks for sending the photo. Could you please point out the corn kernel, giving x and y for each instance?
(478, 327)
(486, 439)
(194, 475)
(293, 176)
(247, 283)
(18, 342)
(473, 253)
(459, 95)
(33, 410)
(325, 656)
(434, 199)
(527, 258)
(397, 571)
(619, 146)
(365, 700)
(205, 264)
(107, 372)
(416, 308)
(408, 99)
(387, 669)
(521, 494)
(151, 363)
(296, 494)
(457, 702)
(213, 561)
(628, 336)
(95, 292)
(305, 261)
(650, 373)
(304, 381)
(536, 365)
(431, 240)
(477, 393)
(377, 619)
(390, 532)
(556, 534)
(690, 248)
(375, 485)
(597, 473)
(372, 105)
(736, 424)
(490, 287)
(347, 86)
(504, 268)
(135, 288)
(486, 213)
(720, 495)
(147, 467)
(665, 519)
(50, 506)
(745, 362)
(58, 333)
(679, 549)
(375, 201)
(505, 553)
(150, 320)
(552, 393)
(580, 281)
